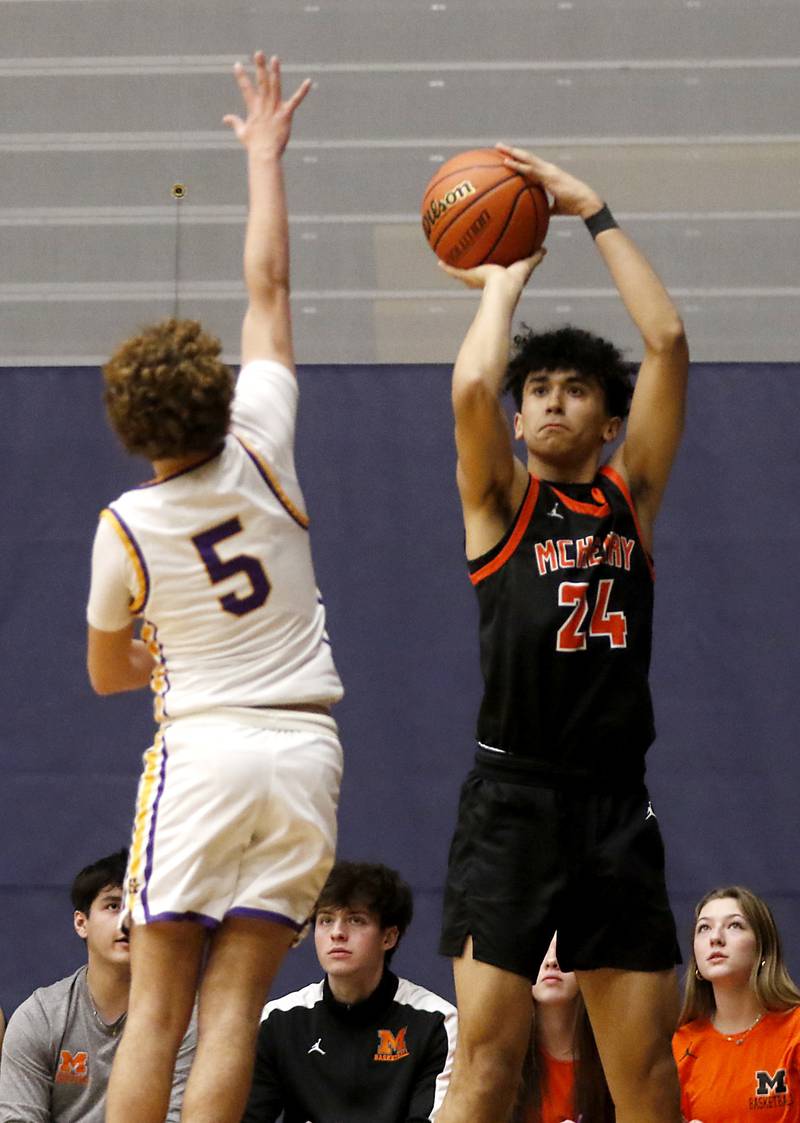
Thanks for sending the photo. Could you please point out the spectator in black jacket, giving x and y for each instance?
(361, 1045)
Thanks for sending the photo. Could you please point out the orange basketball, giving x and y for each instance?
(476, 211)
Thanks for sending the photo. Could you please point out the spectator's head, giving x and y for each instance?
(736, 946)
(167, 392)
(362, 912)
(96, 894)
(554, 987)
(591, 1099)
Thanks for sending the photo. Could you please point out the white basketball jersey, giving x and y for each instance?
(216, 560)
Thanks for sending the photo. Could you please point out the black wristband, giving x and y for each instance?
(602, 220)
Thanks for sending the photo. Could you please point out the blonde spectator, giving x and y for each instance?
(738, 1045)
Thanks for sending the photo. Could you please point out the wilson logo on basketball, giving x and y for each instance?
(439, 207)
(73, 1068)
(391, 1047)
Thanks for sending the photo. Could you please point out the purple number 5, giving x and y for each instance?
(218, 570)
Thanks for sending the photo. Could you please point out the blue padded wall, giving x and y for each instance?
(376, 460)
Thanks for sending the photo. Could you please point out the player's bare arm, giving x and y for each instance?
(264, 132)
(491, 481)
(655, 423)
(117, 661)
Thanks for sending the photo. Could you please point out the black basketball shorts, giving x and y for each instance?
(527, 860)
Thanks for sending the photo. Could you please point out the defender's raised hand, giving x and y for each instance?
(570, 194)
(269, 118)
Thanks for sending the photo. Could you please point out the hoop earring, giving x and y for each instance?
(697, 975)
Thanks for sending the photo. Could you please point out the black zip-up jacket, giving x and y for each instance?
(384, 1060)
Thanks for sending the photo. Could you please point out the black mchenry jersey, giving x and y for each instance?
(384, 1060)
(566, 607)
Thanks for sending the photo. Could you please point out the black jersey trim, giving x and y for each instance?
(494, 559)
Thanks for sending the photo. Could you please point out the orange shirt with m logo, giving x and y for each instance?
(751, 1075)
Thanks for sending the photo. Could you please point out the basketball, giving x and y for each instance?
(477, 211)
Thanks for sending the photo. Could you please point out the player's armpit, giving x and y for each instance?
(116, 661)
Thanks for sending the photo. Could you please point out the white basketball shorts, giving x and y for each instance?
(235, 816)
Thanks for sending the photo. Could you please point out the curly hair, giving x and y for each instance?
(167, 393)
(371, 886)
(571, 348)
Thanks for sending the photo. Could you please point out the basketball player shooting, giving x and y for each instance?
(235, 822)
(555, 829)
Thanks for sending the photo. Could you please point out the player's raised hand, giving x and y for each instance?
(517, 274)
(269, 118)
(570, 194)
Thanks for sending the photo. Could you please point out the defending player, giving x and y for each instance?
(235, 820)
(555, 828)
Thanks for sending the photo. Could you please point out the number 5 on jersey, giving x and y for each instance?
(612, 625)
(218, 569)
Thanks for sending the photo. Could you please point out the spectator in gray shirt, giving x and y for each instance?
(60, 1043)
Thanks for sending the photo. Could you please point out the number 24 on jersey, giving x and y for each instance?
(573, 635)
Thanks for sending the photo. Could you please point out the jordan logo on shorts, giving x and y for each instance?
(650, 812)
(317, 1047)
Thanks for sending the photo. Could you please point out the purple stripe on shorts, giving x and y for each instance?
(265, 914)
(148, 868)
(197, 917)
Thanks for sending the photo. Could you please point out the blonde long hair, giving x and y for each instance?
(772, 983)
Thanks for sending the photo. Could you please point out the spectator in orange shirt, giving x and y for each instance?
(562, 1077)
(738, 1045)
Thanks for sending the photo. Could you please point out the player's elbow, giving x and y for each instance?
(102, 685)
(668, 336)
(472, 391)
(265, 285)
(101, 678)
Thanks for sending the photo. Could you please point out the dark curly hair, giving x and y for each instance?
(370, 886)
(167, 392)
(571, 348)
